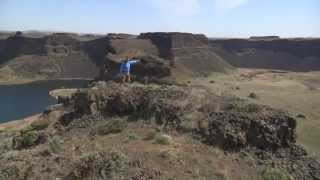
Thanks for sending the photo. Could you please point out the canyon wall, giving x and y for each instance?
(65, 55)
(189, 53)
(285, 54)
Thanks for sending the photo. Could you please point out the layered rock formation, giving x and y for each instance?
(189, 53)
(166, 55)
(68, 55)
(270, 53)
(54, 56)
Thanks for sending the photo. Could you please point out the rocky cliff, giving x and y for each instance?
(189, 53)
(58, 55)
(69, 56)
(165, 55)
(275, 53)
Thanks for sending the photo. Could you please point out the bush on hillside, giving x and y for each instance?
(163, 139)
(275, 174)
(112, 127)
(25, 140)
(100, 165)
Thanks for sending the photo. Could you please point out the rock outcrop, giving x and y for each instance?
(58, 55)
(226, 122)
(165, 55)
(189, 53)
(270, 53)
(70, 56)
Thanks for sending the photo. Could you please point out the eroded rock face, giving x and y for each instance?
(237, 130)
(270, 53)
(223, 121)
(189, 53)
(59, 55)
(63, 55)
(166, 42)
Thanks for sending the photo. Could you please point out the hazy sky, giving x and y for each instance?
(215, 18)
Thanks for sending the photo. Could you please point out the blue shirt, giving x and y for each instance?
(126, 66)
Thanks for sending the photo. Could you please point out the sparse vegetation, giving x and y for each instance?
(275, 174)
(163, 139)
(253, 95)
(9, 172)
(251, 108)
(100, 165)
(112, 127)
(133, 136)
(195, 147)
(55, 145)
(25, 140)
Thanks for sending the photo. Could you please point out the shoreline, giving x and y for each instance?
(19, 123)
(23, 122)
(27, 81)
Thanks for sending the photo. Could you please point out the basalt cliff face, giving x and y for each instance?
(163, 55)
(189, 53)
(270, 53)
(166, 55)
(58, 55)
(71, 56)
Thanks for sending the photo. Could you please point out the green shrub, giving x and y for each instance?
(55, 145)
(163, 139)
(9, 172)
(275, 174)
(113, 127)
(133, 136)
(25, 140)
(100, 165)
(27, 129)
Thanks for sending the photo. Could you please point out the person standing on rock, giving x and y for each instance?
(125, 68)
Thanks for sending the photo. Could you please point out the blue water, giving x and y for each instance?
(20, 101)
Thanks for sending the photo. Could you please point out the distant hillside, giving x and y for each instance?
(270, 53)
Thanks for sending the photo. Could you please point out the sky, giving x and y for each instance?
(215, 18)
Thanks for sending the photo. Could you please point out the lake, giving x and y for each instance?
(20, 101)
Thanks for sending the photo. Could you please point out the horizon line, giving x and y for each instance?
(106, 33)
